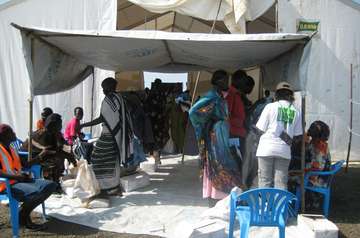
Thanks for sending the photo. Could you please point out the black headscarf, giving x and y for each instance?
(52, 119)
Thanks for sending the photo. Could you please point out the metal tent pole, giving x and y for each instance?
(303, 153)
(277, 16)
(31, 102)
(197, 79)
(92, 99)
(351, 119)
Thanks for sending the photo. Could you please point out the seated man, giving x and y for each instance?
(50, 138)
(72, 130)
(32, 192)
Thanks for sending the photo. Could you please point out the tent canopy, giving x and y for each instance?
(59, 56)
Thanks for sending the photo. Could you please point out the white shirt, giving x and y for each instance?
(273, 121)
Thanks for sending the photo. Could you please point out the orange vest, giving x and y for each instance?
(10, 164)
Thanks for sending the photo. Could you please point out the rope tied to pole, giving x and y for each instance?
(198, 75)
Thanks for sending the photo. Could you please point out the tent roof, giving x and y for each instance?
(157, 51)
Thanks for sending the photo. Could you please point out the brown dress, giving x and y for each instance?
(52, 165)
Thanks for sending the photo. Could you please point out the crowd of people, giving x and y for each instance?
(254, 145)
(240, 143)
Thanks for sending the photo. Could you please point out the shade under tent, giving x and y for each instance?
(59, 60)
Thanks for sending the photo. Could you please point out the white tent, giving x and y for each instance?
(14, 77)
(102, 16)
(234, 13)
(334, 48)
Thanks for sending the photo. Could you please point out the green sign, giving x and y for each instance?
(308, 26)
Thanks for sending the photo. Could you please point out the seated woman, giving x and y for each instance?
(317, 158)
(317, 152)
(50, 138)
(31, 192)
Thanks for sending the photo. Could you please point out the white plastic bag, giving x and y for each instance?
(222, 208)
(86, 184)
(67, 185)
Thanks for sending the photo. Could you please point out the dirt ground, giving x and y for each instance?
(345, 212)
(345, 204)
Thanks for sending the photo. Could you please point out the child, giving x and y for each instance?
(72, 130)
(318, 152)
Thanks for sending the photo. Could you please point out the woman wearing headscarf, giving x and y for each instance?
(50, 138)
(114, 146)
(209, 116)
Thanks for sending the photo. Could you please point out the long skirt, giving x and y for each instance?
(105, 161)
(208, 189)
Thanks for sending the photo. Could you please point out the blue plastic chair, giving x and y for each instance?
(325, 191)
(260, 207)
(14, 204)
(87, 136)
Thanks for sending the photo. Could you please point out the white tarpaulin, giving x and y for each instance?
(14, 77)
(234, 13)
(332, 51)
(151, 51)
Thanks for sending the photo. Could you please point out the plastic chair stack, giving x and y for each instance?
(260, 207)
(326, 190)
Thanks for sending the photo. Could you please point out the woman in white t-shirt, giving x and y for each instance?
(280, 122)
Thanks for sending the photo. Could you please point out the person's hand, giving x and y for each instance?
(81, 136)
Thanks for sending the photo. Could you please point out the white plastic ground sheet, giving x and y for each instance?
(171, 206)
(174, 195)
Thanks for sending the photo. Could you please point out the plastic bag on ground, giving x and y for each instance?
(222, 208)
(86, 184)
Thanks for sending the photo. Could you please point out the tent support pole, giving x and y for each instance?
(31, 108)
(31, 101)
(351, 119)
(92, 99)
(303, 153)
(197, 79)
(277, 16)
